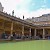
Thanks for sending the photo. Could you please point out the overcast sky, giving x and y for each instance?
(28, 8)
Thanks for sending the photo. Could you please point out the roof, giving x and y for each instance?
(15, 18)
(20, 20)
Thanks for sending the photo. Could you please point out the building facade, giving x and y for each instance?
(31, 28)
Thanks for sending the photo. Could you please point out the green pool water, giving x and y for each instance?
(26, 45)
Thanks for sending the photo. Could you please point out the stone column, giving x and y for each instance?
(11, 27)
(35, 33)
(30, 32)
(43, 33)
(4, 26)
(22, 30)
